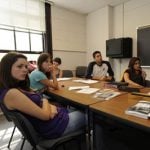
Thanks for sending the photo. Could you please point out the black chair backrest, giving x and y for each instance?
(67, 73)
(29, 133)
(147, 82)
(22, 123)
(5, 114)
(81, 71)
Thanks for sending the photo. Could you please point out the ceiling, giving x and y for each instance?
(85, 6)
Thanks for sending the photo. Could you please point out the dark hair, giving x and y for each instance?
(132, 62)
(43, 57)
(58, 60)
(130, 66)
(96, 52)
(6, 79)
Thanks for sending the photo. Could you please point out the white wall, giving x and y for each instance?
(71, 59)
(125, 21)
(97, 32)
(69, 37)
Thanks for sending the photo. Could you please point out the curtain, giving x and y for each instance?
(29, 14)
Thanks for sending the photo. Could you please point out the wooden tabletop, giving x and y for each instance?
(112, 108)
(116, 107)
(72, 95)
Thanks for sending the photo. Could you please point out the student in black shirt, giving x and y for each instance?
(134, 75)
(99, 69)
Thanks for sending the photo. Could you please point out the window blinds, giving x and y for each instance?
(29, 14)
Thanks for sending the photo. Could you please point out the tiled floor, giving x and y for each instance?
(6, 129)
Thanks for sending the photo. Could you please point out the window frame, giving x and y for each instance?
(23, 30)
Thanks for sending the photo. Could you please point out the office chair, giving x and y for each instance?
(67, 73)
(9, 120)
(34, 138)
(147, 82)
(80, 71)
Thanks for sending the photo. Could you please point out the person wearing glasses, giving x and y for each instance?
(134, 75)
(99, 69)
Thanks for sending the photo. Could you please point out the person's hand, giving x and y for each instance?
(54, 111)
(52, 69)
(102, 78)
(144, 74)
(105, 78)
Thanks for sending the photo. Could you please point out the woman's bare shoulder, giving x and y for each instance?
(13, 92)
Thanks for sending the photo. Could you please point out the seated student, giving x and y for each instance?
(32, 66)
(99, 69)
(134, 74)
(40, 78)
(15, 93)
(56, 63)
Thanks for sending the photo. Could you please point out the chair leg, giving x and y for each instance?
(64, 146)
(79, 143)
(11, 137)
(34, 148)
(22, 144)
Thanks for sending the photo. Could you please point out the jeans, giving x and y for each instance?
(76, 122)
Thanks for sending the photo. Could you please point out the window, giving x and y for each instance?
(22, 40)
(28, 14)
(22, 25)
(7, 40)
(36, 42)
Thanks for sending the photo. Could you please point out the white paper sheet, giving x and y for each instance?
(88, 90)
(89, 81)
(63, 79)
(77, 87)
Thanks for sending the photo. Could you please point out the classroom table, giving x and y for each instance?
(80, 101)
(113, 111)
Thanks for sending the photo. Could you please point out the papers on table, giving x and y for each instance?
(77, 87)
(83, 89)
(106, 94)
(63, 79)
(88, 90)
(89, 81)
